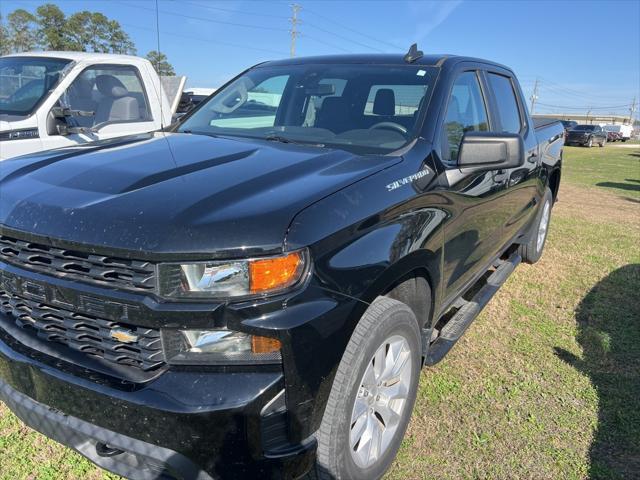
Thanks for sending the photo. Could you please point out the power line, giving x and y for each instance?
(230, 10)
(208, 20)
(370, 37)
(313, 25)
(327, 43)
(205, 40)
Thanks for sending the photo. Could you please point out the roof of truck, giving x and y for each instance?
(78, 56)
(381, 59)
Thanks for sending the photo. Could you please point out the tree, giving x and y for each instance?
(160, 63)
(94, 32)
(22, 37)
(51, 27)
(119, 41)
(83, 31)
(5, 45)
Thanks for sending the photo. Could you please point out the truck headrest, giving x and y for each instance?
(385, 102)
(110, 86)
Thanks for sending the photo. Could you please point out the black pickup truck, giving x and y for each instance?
(253, 292)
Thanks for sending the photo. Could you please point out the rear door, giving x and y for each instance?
(474, 231)
(520, 185)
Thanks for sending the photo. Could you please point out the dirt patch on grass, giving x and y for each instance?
(595, 205)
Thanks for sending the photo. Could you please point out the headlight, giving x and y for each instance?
(232, 279)
(222, 346)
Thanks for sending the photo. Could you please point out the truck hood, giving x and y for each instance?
(174, 193)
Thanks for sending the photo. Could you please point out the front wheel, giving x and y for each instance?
(590, 143)
(532, 250)
(372, 396)
(602, 143)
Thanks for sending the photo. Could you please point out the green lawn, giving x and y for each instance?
(546, 382)
(613, 168)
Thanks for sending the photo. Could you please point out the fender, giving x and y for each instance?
(360, 248)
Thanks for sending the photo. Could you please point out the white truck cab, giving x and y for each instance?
(57, 99)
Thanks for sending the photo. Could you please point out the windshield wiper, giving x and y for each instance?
(281, 139)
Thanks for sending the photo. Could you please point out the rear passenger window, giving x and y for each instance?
(466, 112)
(394, 100)
(507, 103)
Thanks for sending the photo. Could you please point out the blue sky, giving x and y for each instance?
(585, 53)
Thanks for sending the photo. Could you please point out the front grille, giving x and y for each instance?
(98, 269)
(85, 333)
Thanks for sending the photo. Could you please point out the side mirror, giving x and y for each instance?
(491, 150)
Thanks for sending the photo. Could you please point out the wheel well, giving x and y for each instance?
(554, 183)
(414, 290)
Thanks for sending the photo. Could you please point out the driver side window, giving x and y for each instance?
(466, 112)
(107, 95)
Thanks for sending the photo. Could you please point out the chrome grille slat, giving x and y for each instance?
(85, 333)
(88, 267)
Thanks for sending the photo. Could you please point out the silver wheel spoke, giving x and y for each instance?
(358, 430)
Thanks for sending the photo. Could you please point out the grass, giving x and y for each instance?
(546, 382)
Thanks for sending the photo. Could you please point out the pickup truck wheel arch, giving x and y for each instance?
(414, 290)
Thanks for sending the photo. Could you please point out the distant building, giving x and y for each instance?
(592, 119)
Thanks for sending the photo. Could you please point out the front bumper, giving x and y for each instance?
(222, 420)
(184, 425)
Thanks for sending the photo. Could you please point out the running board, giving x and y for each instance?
(469, 310)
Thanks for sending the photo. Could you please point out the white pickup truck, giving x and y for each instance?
(57, 99)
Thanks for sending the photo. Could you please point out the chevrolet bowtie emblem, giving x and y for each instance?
(124, 336)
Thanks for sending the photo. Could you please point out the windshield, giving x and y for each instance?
(362, 108)
(25, 81)
(586, 128)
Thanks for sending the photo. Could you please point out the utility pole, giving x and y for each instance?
(295, 21)
(534, 96)
(589, 113)
(632, 110)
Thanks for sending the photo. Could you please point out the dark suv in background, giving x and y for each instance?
(586, 136)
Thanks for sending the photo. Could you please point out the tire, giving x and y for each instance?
(532, 250)
(590, 142)
(602, 143)
(340, 454)
(624, 140)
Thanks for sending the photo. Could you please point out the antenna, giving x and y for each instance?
(413, 54)
(294, 27)
(161, 93)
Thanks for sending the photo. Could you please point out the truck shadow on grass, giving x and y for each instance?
(609, 333)
(620, 186)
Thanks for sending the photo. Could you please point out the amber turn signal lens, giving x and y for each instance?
(264, 344)
(275, 273)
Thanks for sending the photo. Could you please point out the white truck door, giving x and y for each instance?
(113, 101)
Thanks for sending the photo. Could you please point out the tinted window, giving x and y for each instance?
(584, 128)
(507, 103)
(361, 108)
(110, 93)
(466, 112)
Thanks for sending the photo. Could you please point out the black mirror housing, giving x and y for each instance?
(491, 150)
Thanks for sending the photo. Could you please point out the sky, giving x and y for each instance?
(584, 54)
